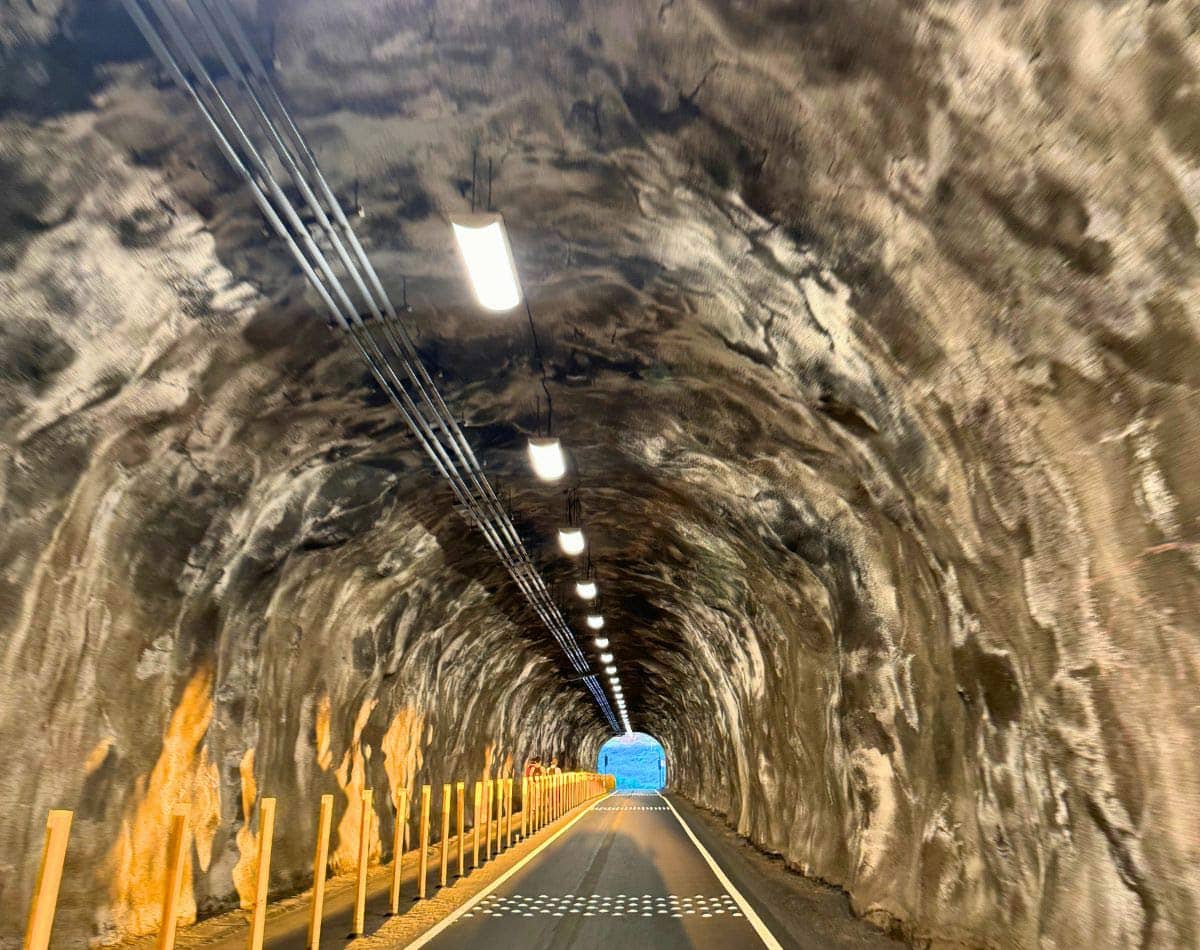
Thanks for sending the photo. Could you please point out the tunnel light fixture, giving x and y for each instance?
(571, 541)
(595, 621)
(546, 457)
(483, 243)
(601, 643)
(614, 680)
(586, 590)
(606, 657)
(610, 670)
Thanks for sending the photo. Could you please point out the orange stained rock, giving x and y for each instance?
(135, 870)
(246, 869)
(322, 726)
(351, 777)
(401, 745)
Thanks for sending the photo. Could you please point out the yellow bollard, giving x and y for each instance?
(524, 805)
(487, 831)
(364, 855)
(423, 831)
(508, 807)
(45, 892)
(475, 821)
(499, 810)
(460, 795)
(262, 879)
(320, 868)
(176, 855)
(399, 841)
(445, 835)
(499, 813)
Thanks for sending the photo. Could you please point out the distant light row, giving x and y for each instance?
(483, 243)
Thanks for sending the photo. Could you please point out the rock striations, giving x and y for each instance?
(872, 330)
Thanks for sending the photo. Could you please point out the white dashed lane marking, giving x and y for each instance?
(608, 905)
(632, 808)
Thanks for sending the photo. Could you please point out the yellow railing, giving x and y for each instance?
(543, 799)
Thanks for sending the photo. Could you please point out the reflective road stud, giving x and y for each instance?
(45, 892)
(320, 864)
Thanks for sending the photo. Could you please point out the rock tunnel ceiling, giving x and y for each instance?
(871, 328)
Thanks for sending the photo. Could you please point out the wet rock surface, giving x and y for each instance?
(871, 328)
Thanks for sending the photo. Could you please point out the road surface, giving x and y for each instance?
(625, 875)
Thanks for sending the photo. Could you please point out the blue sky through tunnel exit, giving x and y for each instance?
(637, 760)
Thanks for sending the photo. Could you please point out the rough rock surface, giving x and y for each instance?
(872, 327)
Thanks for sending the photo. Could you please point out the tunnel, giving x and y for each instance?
(865, 334)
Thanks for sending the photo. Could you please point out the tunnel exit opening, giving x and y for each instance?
(636, 760)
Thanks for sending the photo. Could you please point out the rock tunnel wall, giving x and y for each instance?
(215, 584)
(872, 328)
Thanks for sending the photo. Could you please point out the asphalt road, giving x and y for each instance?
(625, 875)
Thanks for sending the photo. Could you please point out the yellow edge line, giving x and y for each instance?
(454, 915)
(751, 915)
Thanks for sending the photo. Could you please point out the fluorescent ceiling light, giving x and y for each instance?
(546, 457)
(601, 642)
(585, 589)
(595, 621)
(605, 657)
(571, 541)
(483, 243)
